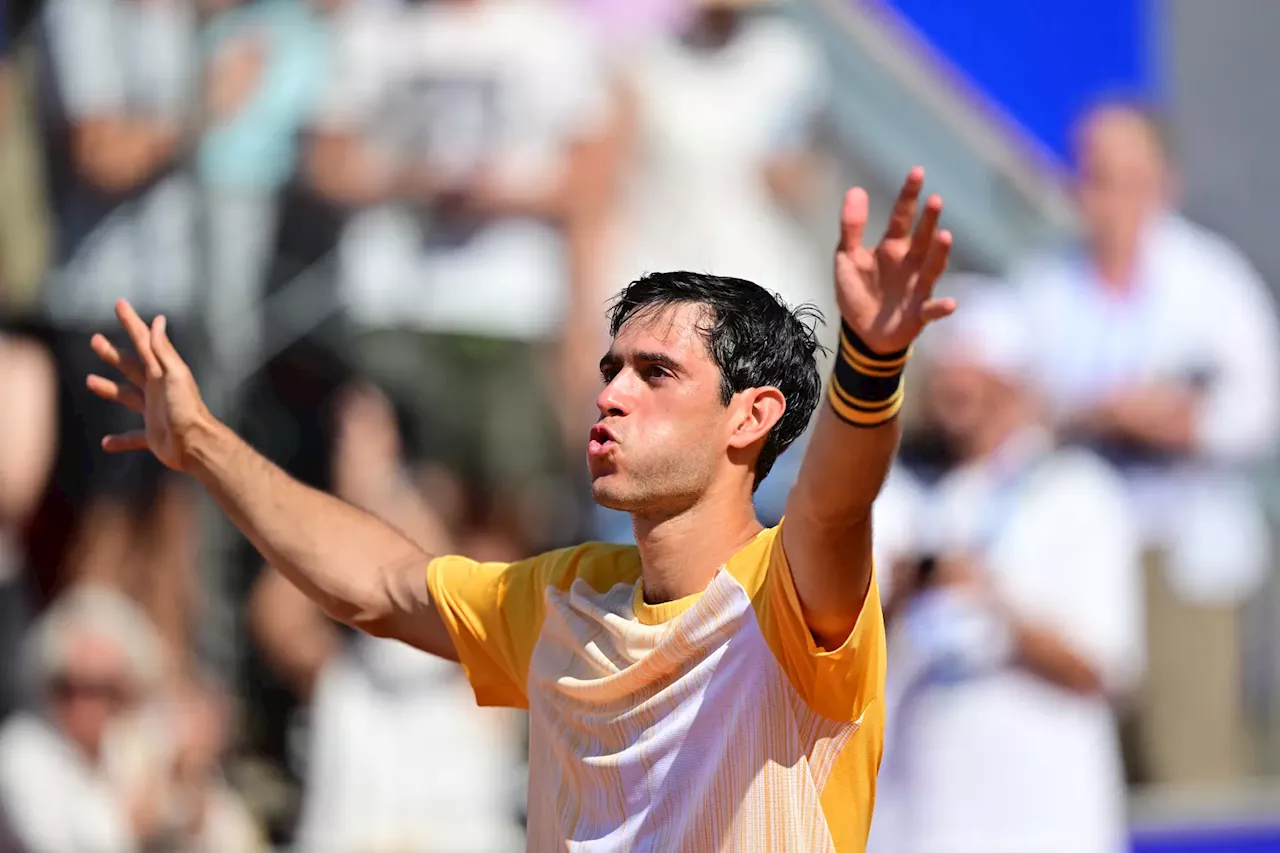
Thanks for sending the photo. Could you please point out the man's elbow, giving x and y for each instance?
(380, 606)
(369, 615)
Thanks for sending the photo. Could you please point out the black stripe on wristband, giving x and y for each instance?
(890, 359)
(864, 388)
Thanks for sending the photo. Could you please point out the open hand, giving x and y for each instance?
(159, 386)
(886, 294)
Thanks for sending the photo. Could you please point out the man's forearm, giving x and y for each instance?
(843, 470)
(828, 532)
(341, 557)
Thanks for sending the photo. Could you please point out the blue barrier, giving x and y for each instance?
(1250, 839)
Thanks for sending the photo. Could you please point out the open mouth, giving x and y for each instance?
(601, 441)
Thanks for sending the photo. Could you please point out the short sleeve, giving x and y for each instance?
(839, 684)
(493, 612)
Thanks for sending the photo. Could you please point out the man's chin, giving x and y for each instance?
(608, 494)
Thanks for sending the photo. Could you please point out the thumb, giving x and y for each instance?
(163, 348)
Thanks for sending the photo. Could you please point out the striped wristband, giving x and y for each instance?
(866, 387)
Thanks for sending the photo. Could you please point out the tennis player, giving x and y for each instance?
(719, 685)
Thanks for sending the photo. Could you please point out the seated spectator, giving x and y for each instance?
(1015, 630)
(105, 761)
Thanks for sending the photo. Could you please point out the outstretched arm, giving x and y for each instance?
(358, 569)
(885, 298)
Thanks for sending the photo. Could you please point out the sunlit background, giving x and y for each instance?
(384, 233)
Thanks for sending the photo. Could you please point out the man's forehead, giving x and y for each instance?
(669, 328)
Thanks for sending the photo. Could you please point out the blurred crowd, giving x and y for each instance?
(384, 232)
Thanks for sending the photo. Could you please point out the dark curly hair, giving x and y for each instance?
(754, 338)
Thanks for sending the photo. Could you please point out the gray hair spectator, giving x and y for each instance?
(105, 759)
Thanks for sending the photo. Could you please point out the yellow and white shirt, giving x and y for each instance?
(709, 723)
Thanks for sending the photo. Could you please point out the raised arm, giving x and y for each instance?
(886, 299)
(358, 569)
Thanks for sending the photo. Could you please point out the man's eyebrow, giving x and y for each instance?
(612, 360)
(662, 360)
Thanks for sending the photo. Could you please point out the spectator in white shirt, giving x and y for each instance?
(1158, 347)
(104, 762)
(472, 138)
(1016, 632)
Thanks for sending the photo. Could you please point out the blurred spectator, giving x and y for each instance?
(119, 79)
(475, 135)
(5, 64)
(28, 430)
(724, 151)
(624, 24)
(386, 719)
(1159, 347)
(105, 761)
(724, 154)
(1019, 622)
(265, 65)
(24, 234)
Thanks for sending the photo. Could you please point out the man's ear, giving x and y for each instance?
(757, 410)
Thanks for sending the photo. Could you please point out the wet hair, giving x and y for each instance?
(755, 339)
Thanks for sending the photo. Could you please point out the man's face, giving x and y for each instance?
(1122, 178)
(663, 429)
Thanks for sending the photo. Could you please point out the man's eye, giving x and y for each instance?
(655, 372)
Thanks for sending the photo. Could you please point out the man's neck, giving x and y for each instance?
(680, 554)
